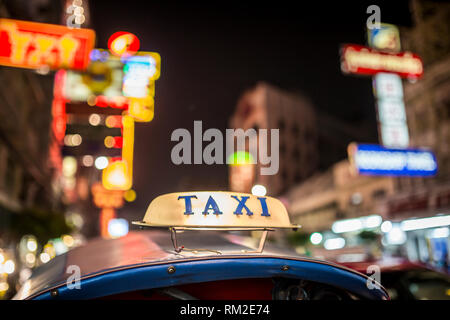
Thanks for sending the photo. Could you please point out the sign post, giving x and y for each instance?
(388, 90)
(387, 65)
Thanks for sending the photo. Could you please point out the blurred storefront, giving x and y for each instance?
(34, 226)
(25, 134)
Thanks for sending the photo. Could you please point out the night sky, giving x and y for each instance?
(211, 53)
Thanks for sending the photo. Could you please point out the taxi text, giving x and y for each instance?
(211, 204)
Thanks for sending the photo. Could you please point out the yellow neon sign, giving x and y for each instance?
(142, 109)
(116, 176)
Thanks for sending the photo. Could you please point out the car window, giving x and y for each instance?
(429, 286)
(419, 284)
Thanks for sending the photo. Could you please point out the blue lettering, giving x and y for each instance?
(211, 204)
(242, 205)
(265, 210)
(187, 203)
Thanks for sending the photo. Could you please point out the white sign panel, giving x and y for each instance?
(388, 85)
(395, 136)
(391, 111)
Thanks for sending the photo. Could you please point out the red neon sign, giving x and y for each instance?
(366, 61)
(59, 108)
(112, 102)
(118, 142)
(123, 43)
(32, 45)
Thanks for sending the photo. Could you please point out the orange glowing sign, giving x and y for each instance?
(104, 198)
(123, 43)
(32, 45)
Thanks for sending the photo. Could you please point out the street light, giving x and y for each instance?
(101, 163)
(316, 238)
(259, 190)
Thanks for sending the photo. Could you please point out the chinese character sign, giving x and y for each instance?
(33, 45)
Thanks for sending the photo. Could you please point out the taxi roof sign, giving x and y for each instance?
(216, 210)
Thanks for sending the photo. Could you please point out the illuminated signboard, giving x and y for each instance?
(386, 37)
(368, 159)
(140, 73)
(391, 111)
(142, 109)
(32, 45)
(104, 198)
(358, 59)
(103, 77)
(123, 43)
(388, 85)
(59, 117)
(394, 135)
(118, 175)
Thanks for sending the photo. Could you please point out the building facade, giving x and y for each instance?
(267, 107)
(308, 139)
(25, 134)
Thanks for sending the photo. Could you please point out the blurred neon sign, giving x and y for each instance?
(364, 60)
(118, 175)
(59, 117)
(140, 71)
(32, 45)
(386, 37)
(104, 198)
(100, 84)
(123, 43)
(370, 159)
(142, 109)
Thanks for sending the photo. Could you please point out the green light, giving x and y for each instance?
(240, 157)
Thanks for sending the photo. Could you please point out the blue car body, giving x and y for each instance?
(145, 260)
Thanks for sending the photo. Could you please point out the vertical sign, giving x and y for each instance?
(388, 90)
(393, 127)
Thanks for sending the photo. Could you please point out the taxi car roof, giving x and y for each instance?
(135, 248)
(143, 248)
